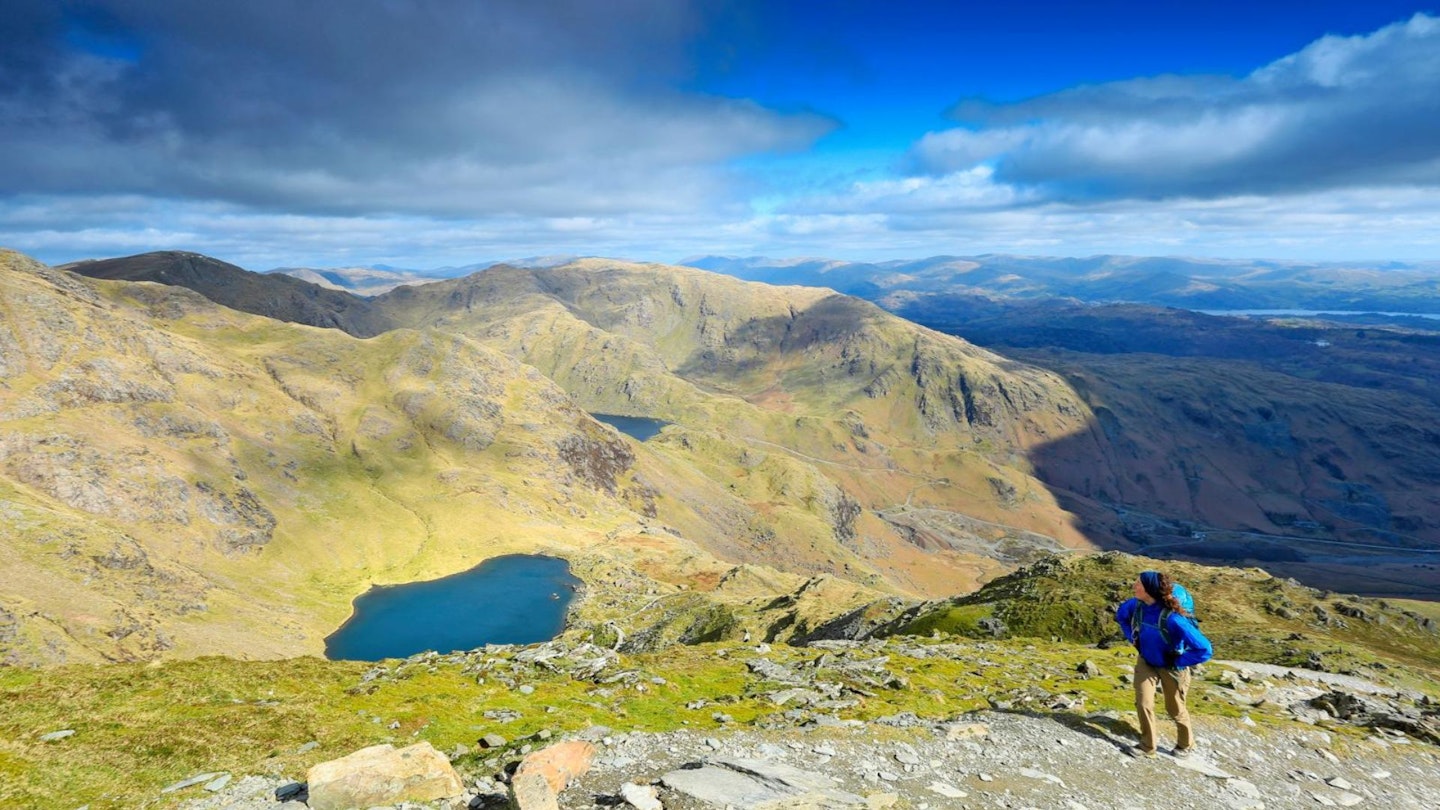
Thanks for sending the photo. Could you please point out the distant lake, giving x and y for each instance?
(517, 599)
(637, 426)
(1313, 313)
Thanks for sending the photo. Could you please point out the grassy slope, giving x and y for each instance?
(1246, 613)
(863, 404)
(404, 456)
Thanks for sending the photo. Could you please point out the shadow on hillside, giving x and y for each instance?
(1148, 496)
(1099, 725)
(758, 341)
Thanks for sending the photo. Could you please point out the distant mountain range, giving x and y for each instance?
(1203, 284)
(371, 280)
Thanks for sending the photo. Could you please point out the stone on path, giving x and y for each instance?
(641, 797)
(1339, 783)
(1032, 773)
(383, 775)
(1200, 766)
(966, 731)
(1347, 799)
(542, 776)
(881, 801)
(948, 791)
(748, 784)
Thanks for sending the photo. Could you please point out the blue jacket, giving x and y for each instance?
(1189, 645)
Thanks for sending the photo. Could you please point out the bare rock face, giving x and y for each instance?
(544, 774)
(383, 775)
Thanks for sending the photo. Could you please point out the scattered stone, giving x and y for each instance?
(985, 777)
(1339, 783)
(56, 736)
(1380, 775)
(526, 689)
(492, 741)
(906, 758)
(1089, 669)
(293, 790)
(641, 797)
(712, 743)
(307, 747)
(380, 775)
(1347, 799)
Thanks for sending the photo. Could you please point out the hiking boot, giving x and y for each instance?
(1139, 753)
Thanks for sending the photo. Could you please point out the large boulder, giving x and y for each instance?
(383, 775)
(541, 777)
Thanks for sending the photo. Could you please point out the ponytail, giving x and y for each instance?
(1166, 596)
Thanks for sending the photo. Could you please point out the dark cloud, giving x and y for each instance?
(561, 107)
(1343, 112)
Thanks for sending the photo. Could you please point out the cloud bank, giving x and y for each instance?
(506, 107)
(1344, 112)
(430, 132)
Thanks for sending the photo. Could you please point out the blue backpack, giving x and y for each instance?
(1137, 620)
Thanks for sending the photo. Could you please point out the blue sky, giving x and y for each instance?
(437, 133)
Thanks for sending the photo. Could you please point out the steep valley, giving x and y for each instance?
(185, 478)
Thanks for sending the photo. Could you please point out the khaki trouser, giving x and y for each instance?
(1175, 686)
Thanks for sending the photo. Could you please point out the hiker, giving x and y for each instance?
(1158, 622)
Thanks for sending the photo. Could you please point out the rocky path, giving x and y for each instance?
(985, 760)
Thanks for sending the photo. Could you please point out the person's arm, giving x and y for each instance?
(1122, 617)
(1196, 645)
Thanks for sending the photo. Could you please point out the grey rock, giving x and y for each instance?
(217, 785)
(194, 780)
(750, 784)
(492, 741)
(641, 797)
(294, 790)
(307, 747)
(56, 736)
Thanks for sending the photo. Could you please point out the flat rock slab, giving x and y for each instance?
(383, 775)
(1198, 765)
(749, 784)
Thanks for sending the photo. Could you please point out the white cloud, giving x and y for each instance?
(1343, 112)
